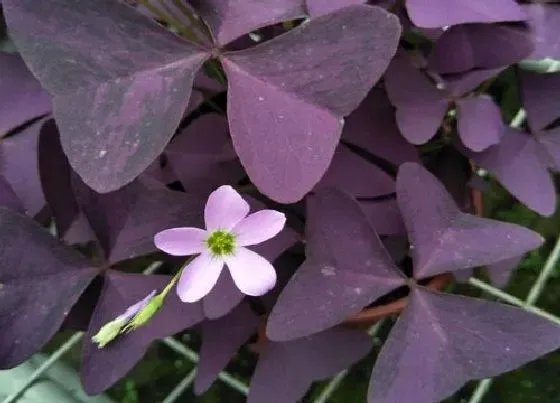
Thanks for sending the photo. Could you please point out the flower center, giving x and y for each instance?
(221, 243)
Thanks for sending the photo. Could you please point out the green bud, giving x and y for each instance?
(108, 332)
(145, 314)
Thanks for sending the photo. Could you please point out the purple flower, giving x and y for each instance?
(229, 229)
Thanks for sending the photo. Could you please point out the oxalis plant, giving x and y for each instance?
(300, 169)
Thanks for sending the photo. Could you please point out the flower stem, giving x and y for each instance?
(216, 71)
(370, 315)
(154, 306)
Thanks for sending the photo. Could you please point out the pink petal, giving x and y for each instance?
(224, 209)
(251, 273)
(199, 277)
(181, 241)
(259, 227)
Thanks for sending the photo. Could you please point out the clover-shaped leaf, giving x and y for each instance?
(519, 163)
(443, 238)
(316, 8)
(8, 197)
(500, 272)
(441, 341)
(346, 268)
(384, 216)
(440, 13)
(37, 288)
(372, 126)
(298, 87)
(540, 98)
(55, 174)
(480, 46)
(549, 141)
(341, 175)
(309, 359)
(116, 82)
(221, 338)
(19, 166)
(22, 96)
(479, 122)
(204, 162)
(421, 104)
(544, 19)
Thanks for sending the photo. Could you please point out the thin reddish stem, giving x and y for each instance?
(371, 315)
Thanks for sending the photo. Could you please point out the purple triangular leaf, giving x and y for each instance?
(229, 19)
(221, 339)
(479, 46)
(550, 144)
(274, 247)
(202, 156)
(442, 341)
(420, 105)
(222, 298)
(443, 238)
(55, 174)
(79, 232)
(286, 370)
(346, 269)
(8, 197)
(461, 83)
(22, 96)
(541, 98)
(384, 216)
(38, 287)
(518, 163)
(125, 221)
(440, 13)
(420, 124)
(372, 126)
(500, 272)
(316, 8)
(19, 165)
(120, 83)
(544, 19)
(287, 162)
(102, 367)
(479, 122)
(341, 174)
(158, 175)
(297, 87)
(463, 276)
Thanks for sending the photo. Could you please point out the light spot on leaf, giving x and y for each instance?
(328, 271)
